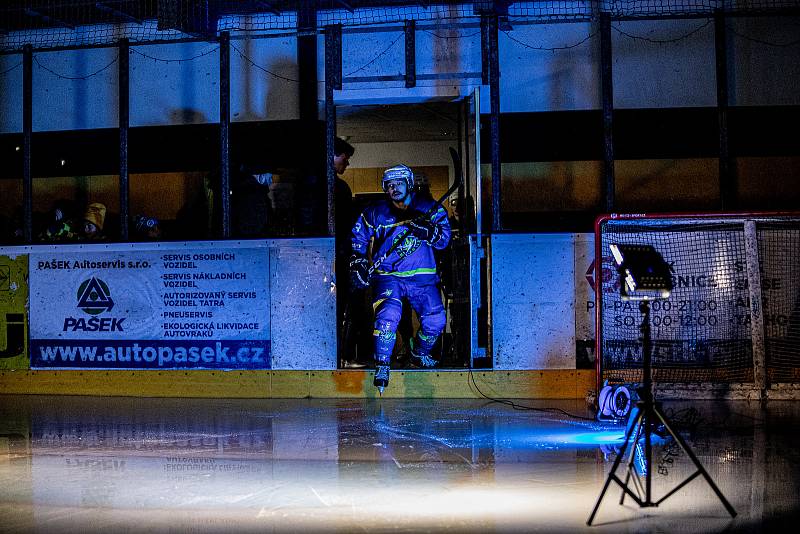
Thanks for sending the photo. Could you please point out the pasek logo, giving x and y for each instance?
(94, 298)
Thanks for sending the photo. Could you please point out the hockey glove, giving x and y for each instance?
(424, 230)
(359, 272)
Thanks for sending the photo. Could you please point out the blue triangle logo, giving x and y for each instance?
(94, 297)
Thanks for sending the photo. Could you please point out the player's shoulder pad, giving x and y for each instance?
(426, 205)
(375, 209)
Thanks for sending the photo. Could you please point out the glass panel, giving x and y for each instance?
(782, 175)
(63, 205)
(11, 211)
(664, 185)
(178, 204)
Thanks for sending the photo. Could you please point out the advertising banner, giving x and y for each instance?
(150, 307)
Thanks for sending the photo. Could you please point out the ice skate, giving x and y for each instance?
(381, 379)
(423, 361)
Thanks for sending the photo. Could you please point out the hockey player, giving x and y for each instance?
(409, 272)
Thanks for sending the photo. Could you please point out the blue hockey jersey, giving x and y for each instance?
(384, 222)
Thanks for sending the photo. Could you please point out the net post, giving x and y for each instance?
(224, 130)
(756, 307)
(598, 303)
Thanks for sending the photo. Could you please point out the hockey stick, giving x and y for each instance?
(459, 178)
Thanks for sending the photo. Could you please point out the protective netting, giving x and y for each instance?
(79, 23)
(702, 333)
(644, 8)
(779, 251)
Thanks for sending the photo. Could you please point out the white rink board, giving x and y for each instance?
(303, 305)
(533, 301)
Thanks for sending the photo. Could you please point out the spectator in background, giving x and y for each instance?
(251, 204)
(343, 198)
(350, 304)
(91, 227)
(146, 228)
(60, 223)
(195, 219)
(422, 186)
(17, 225)
(10, 229)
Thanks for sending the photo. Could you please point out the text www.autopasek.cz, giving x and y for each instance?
(141, 354)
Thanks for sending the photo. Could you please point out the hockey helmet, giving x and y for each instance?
(398, 172)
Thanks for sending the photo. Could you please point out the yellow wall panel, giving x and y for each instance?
(13, 312)
(551, 384)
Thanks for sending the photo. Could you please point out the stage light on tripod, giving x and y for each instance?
(646, 277)
(644, 273)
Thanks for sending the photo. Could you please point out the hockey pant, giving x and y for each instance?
(426, 301)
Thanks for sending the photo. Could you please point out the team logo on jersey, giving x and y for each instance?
(409, 245)
(94, 297)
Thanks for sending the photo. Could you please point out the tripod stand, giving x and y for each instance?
(646, 417)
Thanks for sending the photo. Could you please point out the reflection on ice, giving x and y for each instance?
(216, 465)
